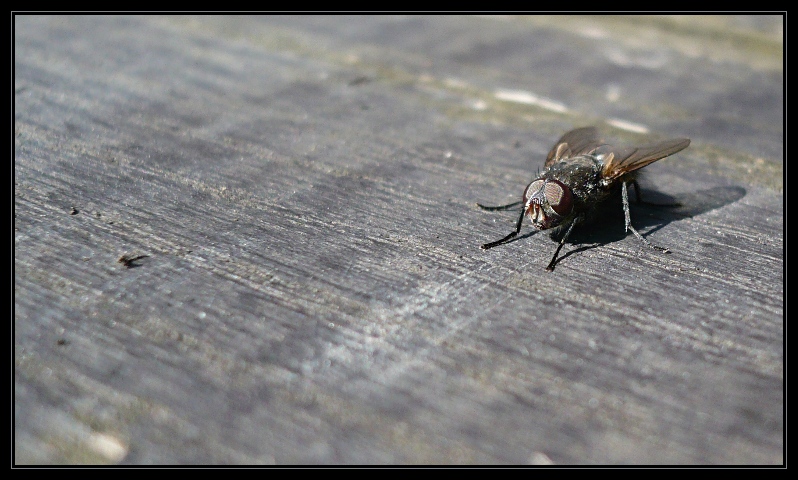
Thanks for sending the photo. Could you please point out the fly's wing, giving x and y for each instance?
(576, 142)
(618, 162)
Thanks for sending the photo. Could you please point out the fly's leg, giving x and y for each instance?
(502, 207)
(628, 219)
(553, 261)
(511, 235)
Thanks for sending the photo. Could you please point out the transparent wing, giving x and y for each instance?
(576, 142)
(619, 161)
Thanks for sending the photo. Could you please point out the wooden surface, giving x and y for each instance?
(312, 290)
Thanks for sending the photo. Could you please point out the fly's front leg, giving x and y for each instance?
(500, 207)
(508, 237)
(628, 218)
(550, 267)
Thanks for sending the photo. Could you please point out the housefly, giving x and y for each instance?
(579, 174)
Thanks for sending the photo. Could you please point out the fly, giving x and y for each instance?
(580, 172)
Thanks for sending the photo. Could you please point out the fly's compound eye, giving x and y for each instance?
(552, 193)
(533, 193)
(559, 197)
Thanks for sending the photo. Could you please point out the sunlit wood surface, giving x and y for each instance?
(310, 289)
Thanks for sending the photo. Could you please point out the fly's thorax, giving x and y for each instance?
(583, 176)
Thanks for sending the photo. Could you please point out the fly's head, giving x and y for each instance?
(548, 203)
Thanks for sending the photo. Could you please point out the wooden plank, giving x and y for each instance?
(311, 288)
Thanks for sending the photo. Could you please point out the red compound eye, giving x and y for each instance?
(552, 196)
(559, 197)
(532, 191)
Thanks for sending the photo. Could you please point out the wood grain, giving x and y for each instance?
(313, 292)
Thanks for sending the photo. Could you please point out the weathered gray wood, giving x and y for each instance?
(313, 291)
